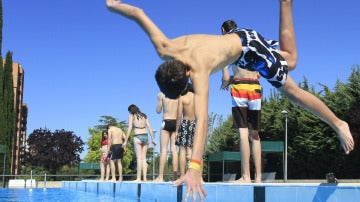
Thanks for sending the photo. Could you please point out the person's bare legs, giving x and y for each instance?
(138, 153)
(102, 171)
(182, 160)
(287, 34)
(245, 156)
(107, 166)
(296, 94)
(314, 105)
(119, 164)
(112, 168)
(164, 141)
(175, 155)
(256, 153)
(144, 149)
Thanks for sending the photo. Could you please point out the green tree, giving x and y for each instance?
(9, 110)
(352, 116)
(310, 140)
(2, 108)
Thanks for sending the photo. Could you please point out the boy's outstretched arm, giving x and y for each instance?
(157, 37)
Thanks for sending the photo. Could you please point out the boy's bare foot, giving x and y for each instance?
(345, 137)
(257, 180)
(241, 180)
(158, 180)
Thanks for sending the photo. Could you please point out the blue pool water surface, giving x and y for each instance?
(51, 194)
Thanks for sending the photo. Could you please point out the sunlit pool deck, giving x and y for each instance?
(277, 192)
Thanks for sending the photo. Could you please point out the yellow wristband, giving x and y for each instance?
(195, 166)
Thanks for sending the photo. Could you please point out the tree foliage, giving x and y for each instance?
(7, 111)
(52, 150)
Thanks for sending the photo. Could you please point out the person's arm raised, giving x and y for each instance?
(157, 37)
(159, 104)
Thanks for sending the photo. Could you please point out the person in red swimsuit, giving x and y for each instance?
(104, 158)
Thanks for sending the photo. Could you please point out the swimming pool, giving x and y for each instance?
(219, 192)
(165, 192)
(53, 195)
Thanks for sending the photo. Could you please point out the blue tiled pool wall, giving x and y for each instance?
(267, 192)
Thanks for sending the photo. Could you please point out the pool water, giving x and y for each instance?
(52, 194)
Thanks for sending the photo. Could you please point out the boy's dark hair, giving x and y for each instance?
(228, 25)
(171, 78)
(189, 88)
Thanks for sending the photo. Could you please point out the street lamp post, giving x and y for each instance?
(286, 136)
(154, 131)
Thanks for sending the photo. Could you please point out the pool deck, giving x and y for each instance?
(277, 192)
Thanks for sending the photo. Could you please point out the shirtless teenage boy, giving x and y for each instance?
(168, 127)
(198, 56)
(185, 127)
(115, 141)
(246, 94)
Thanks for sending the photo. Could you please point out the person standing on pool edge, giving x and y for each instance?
(246, 95)
(104, 158)
(139, 122)
(168, 128)
(185, 127)
(198, 56)
(115, 141)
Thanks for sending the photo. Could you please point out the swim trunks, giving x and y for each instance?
(144, 139)
(246, 103)
(262, 56)
(186, 133)
(169, 125)
(117, 151)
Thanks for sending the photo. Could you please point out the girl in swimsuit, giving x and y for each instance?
(104, 158)
(140, 123)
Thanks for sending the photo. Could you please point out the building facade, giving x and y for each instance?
(21, 111)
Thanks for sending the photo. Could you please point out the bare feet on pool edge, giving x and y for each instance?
(257, 180)
(241, 180)
(345, 137)
(158, 180)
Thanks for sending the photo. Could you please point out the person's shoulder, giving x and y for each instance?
(161, 95)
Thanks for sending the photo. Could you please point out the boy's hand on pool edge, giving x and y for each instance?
(193, 180)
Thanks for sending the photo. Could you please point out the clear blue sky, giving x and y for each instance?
(82, 62)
